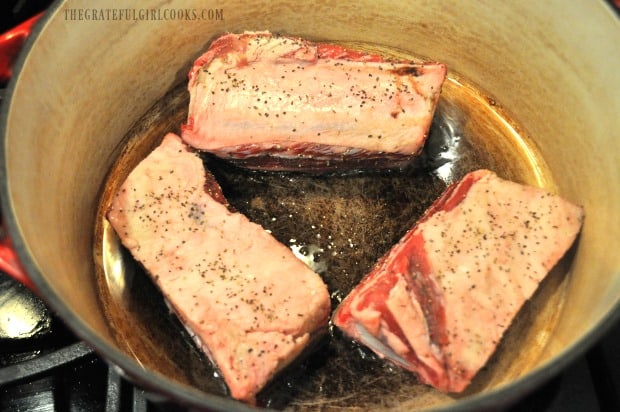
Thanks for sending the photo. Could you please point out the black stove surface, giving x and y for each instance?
(44, 367)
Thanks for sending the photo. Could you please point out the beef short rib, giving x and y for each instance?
(248, 301)
(440, 300)
(283, 103)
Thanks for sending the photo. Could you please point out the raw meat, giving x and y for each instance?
(440, 300)
(283, 103)
(251, 304)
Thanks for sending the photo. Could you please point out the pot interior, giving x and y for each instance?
(340, 224)
(516, 103)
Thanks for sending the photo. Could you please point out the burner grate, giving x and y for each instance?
(44, 363)
(122, 396)
(44, 367)
(71, 378)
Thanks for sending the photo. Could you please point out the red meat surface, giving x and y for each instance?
(283, 103)
(247, 300)
(440, 300)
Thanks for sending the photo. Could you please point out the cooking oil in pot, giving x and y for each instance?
(339, 224)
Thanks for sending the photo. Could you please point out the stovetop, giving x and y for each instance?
(45, 367)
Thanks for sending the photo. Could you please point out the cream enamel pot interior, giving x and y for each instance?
(80, 85)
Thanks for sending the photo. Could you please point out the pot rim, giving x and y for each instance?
(502, 396)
